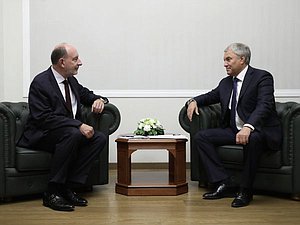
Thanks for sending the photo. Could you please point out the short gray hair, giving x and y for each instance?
(241, 50)
(58, 52)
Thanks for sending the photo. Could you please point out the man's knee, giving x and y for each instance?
(256, 137)
(199, 135)
(100, 138)
(73, 133)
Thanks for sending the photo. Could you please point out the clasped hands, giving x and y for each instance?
(242, 137)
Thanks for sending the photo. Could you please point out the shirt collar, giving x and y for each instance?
(58, 77)
(242, 74)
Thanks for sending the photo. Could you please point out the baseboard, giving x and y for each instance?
(113, 166)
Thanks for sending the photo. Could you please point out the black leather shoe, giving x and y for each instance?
(57, 202)
(222, 191)
(242, 199)
(75, 199)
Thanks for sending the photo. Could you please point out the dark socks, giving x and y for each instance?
(228, 181)
(56, 188)
(72, 185)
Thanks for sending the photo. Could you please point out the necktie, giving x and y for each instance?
(233, 104)
(68, 97)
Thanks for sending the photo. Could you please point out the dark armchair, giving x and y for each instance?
(277, 172)
(25, 171)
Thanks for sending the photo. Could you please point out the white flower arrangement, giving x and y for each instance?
(149, 126)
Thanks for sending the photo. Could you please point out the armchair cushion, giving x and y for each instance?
(29, 160)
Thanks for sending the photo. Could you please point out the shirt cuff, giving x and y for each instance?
(249, 126)
(104, 100)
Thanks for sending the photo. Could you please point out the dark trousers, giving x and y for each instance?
(73, 154)
(207, 141)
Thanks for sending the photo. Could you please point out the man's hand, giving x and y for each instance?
(86, 130)
(242, 137)
(191, 109)
(98, 106)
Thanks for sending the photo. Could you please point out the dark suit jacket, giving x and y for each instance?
(48, 110)
(256, 104)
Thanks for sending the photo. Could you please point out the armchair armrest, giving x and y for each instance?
(183, 120)
(208, 117)
(107, 122)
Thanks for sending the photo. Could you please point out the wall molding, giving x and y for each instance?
(280, 93)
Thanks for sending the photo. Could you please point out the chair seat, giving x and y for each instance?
(233, 154)
(32, 160)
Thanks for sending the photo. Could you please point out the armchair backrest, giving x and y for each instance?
(13, 118)
(289, 115)
(19, 112)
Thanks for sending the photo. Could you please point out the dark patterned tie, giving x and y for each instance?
(68, 96)
(233, 105)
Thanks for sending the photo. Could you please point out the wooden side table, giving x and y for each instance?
(177, 167)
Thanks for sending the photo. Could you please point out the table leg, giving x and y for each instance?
(177, 164)
(124, 164)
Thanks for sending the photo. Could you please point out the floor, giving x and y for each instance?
(107, 207)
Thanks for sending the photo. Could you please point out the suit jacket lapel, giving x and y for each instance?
(227, 94)
(75, 91)
(56, 87)
(247, 80)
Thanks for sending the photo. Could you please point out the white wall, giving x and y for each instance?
(11, 58)
(166, 44)
(175, 51)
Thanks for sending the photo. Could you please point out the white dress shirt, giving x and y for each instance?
(60, 79)
(239, 123)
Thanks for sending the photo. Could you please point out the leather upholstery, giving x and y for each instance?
(278, 171)
(25, 171)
